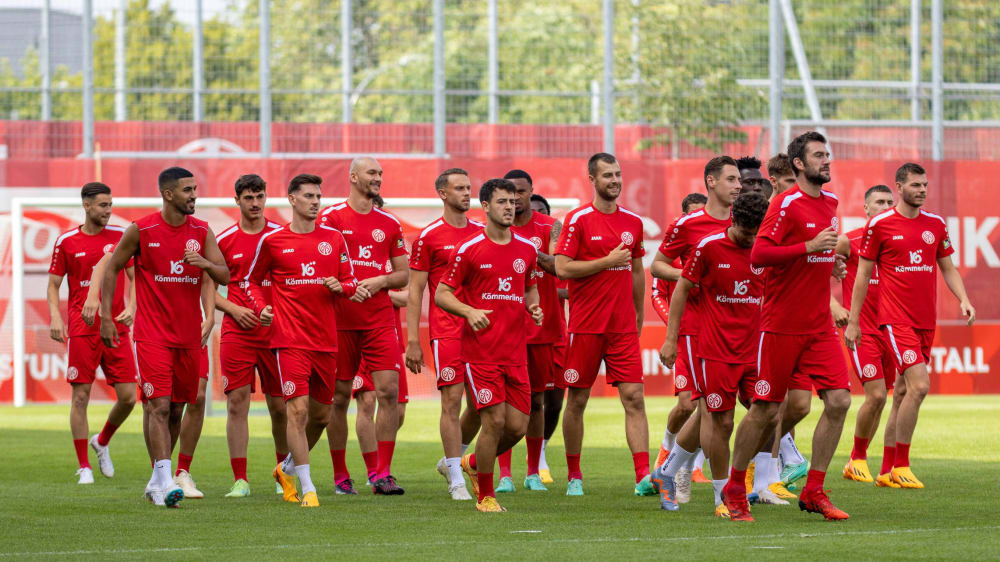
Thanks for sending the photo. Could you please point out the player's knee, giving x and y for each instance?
(838, 401)
(876, 397)
(80, 400)
(918, 390)
(685, 408)
(388, 396)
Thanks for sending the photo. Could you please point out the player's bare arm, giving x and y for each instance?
(852, 334)
(840, 314)
(127, 247)
(400, 298)
(208, 293)
(127, 316)
(668, 353)
(661, 268)
(398, 279)
(57, 327)
(638, 292)
(531, 303)
(445, 298)
(93, 302)
(414, 357)
(567, 268)
(213, 262)
(957, 288)
(546, 261)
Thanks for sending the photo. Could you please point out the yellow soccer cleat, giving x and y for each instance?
(857, 470)
(903, 476)
(310, 499)
(749, 479)
(779, 489)
(288, 490)
(722, 511)
(473, 475)
(489, 504)
(545, 475)
(885, 481)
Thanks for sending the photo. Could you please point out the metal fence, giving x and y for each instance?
(687, 76)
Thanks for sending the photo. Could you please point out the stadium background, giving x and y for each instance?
(488, 86)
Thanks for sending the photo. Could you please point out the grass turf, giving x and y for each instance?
(45, 514)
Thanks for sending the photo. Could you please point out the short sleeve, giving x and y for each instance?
(569, 240)
(531, 272)
(638, 250)
(457, 268)
(674, 241)
(944, 247)
(871, 242)
(695, 268)
(397, 246)
(774, 227)
(58, 265)
(420, 258)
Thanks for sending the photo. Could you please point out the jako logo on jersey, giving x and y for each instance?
(288, 388)
(740, 287)
(897, 237)
(79, 254)
(447, 374)
(325, 248)
(72, 373)
(593, 238)
(365, 252)
(484, 396)
(153, 245)
(519, 265)
(571, 376)
(147, 389)
(756, 270)
(810, 225)
(288, 250)
(176, 267)
(680, 381)
(503, 283)
(928, 236)
(358, 382)
(486, 266)
(723, 266)
(378, 235)
(536, 242)
(307, 269)
(714, 400)
(108, 248)
(916, 256)
(237, 256)
(869, 371)
(762, 388)
(627, 238)
(192, 245)
(909, 356)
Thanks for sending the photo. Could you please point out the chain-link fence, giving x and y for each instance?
(650, 79)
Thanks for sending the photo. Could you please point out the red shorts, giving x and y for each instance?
(661, 306)
(305, 372)
(448, 364)
(541, 367)
(239, 362)
(817, 357)
(684, 367)
(363, 383)
(559, 356)
(379, 347)
(85, 353)
(722, 383)
(203, 363)
(872, 360)
(909, 345)
(167, 371)
(496, 384)
(620, 353)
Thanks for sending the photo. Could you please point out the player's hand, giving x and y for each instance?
(840, 315)
(57, 329)
(536, 314)
(361, 294)
(372, 284)
(206, 330)
(478, 319)
(825, 241)
(109, 332)
(266, 316)
(852, 335)
(91, 308)
(334, 285)
(668, 353)
(196, 259)
(127, 316)
(245, 318)
(839, 267)
(414, 357)
(619, 257)
(968, 312)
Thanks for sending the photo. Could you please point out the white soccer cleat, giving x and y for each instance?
(155, 495)
(442, 469)
(683, 483)
(86, 476)
(768, 497)
(103, 457)
(459, 492)
(166, 498)
(184, 481)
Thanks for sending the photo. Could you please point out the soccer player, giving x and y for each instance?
(600, 252)
(751, 178)
(172, 250)
(907, 244)
(366, 331)
(428, 264)
(245, 347)
(496, 270)
(730, 289)
(309, 267)
(796, 243)
(543, 232)
(781, 173)
(75, 254)
(722, 183)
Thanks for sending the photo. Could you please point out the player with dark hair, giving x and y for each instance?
(781, 173)
(751, 178)
(366, 331)
(544, 209)
(173, 252)
(75, 255)
(907, 244)
(600, 252)
(428, 264)
(496, 270)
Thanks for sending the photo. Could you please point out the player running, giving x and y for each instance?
(75, 255)
(366, 331)
(796, 243)
(496, 271)
(907, 244)
(428, 264)
(172, 250)
(600, 252)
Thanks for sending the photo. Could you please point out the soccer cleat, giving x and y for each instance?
(534, 483)
(240, 489)
(574, 487)
(661, 457)
(277, 489)
(288, 491)
(459, 492)
(442, 468)
(172, 497)
(103, 457)
(793, 472)
(545, 475)
(698, 477)
(750, 471)
(345, 488)
(489, 504)
(903, 476)
(816, 501)
(310, 499)
(471, 472)
(86, 476)
(505, 486)
(857, 470)
(387, 487)
(645, 487)
(737, 506)
(683, 483)
(781, 491)
(885, 481)
(668, 492)
(722, 511)
(185, 482)
(766, 497)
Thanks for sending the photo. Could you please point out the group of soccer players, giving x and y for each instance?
(742, 281)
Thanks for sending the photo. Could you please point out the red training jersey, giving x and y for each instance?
(678, 244)
(297, 265)
(239, 248)
(373, 239)
(906, 252)
(797, 293)
(168, 290)
(869, 309)
(538, 231)
(75, 255)
(731, 293)
(494, 277)
(601, 303)
(431, 252)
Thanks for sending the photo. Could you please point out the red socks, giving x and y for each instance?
(641, 463)
(888, 459)
(239, 468)
(504, 461)
(371, 463)
(339, 457)
(280, 456)
(105, 436)
(738, 480)
(183, 463)
(472, 462)
(902, 455)
(814, 480)
(385, 450)
(485, 480)
(534, 453)
(860, 450)
(573, 467)
(81, 452)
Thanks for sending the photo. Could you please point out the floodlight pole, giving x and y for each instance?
(43, 60)
(265, 78)
(802, 63)
(776, 69)
(346, 62)
(609, 76)
(121, 112)
(440, 100)
(88, 79)
(197, 66)
(937, 79)
(493, 67)
(915, 60)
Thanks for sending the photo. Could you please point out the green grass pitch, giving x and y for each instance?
(45, 514)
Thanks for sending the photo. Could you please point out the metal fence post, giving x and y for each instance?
(776, 69)
(197, 65)
(121, 112)
(915, 59)
(88, 79)
(440, 101)
(43, 60)
(937, 79)
(493, 66)
(609, 76)
(347, 61)
(265, 78)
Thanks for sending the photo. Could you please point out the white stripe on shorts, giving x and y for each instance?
(472, 385)
(892, 340)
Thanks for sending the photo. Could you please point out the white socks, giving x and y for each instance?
(761, 472)
(162, 475)
(454, 465)
(699, 461)
(668, 439)
(302, 471)
(694, 459)
(678, 459)
(542, 464)
(717, 486)
(788, 452)
(775, 473)
(465, 447)
(288, 465)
